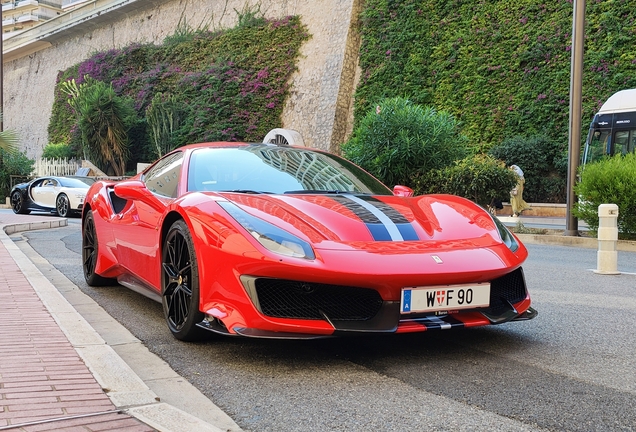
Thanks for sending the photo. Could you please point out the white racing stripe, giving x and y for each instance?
(390, 226)
(443, 324)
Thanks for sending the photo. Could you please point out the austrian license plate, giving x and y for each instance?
(445, 298)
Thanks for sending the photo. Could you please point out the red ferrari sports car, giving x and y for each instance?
(265, 240)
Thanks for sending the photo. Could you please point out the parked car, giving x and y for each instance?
(63, 196)
(274, 241)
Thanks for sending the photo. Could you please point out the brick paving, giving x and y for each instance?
(44, 384)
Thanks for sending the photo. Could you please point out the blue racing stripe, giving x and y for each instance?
(379, 232)
(407, 231)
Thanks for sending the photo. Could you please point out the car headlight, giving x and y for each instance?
(270, 236)
(506, 236)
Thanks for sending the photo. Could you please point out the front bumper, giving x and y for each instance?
(322, 310)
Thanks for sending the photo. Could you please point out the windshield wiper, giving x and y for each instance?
(315, 191)
(246, 191)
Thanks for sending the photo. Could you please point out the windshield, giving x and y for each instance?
(278, 170)
(595, 145)
(81, 183)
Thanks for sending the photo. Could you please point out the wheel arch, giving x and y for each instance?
(85, 209)
(170, 218)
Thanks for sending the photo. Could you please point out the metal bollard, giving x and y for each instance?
(607, 255)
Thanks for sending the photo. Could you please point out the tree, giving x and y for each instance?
(104, 122)
(163, 117)
(8, 139)
(8, 153)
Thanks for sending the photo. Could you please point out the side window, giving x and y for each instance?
(163, 178)
(621, 142)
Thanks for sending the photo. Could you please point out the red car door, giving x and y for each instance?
(137, 230)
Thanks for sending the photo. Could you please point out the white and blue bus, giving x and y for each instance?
(613, 129)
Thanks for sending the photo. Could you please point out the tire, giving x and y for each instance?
(17, 203)
(62, 206)
(90, 250)
(180, 284)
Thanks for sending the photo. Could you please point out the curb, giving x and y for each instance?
(583, 242)
(126, 390)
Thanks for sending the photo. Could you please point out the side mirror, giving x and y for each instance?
(131, 190)
(402, 191)
(136, 190)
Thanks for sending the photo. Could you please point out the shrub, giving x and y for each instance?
(398, 141)
(58, 151)
(13, 164)
(609, 181)
(544, 165)
(480, 178)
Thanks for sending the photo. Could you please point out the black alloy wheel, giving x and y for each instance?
(90, 249)
(180, 284)
(62, 205)
(17, 203)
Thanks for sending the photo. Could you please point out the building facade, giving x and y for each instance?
(320, 106)
(20, 15)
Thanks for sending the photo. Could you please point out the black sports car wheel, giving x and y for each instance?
(62, 205)
(17, 203)
(180, 284)
(89, 253)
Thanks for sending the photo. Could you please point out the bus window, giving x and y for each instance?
(624, 142)
(596, 146)
(621, 140)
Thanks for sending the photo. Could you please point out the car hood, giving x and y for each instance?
(339, 221)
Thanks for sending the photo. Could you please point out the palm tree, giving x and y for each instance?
(8, 140)
(104, 120)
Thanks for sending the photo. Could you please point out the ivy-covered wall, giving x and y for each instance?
(500, 66)
(230, 85)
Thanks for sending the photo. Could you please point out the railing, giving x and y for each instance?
(46, 14)
(22, 3)
(28, 17)
(56, 167)
(68, 3)
(55, 4)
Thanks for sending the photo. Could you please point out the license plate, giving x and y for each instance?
(445, 298)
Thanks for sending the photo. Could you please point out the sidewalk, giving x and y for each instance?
(56, 372)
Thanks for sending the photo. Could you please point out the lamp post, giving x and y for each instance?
(576, 84)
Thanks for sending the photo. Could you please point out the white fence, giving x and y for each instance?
(56, 167)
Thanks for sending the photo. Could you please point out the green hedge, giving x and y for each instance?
(13, 164)
(609, 181)
(480, 178)
(544, 165)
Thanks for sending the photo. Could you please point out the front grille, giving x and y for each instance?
(508, 289)
(306, 300)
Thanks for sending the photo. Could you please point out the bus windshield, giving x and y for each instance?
(596, 146)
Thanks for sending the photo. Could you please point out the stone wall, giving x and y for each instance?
(319, 106)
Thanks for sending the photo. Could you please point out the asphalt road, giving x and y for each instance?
(573, 368)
